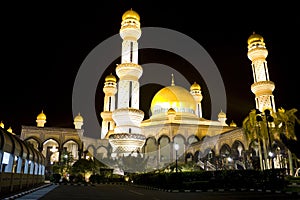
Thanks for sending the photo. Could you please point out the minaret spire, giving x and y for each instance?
(173, 82)
(262, 86)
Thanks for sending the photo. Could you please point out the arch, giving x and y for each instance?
(71, 146)
(225, 150)
(237, 149)
(151, 151)
(101, 152)
(179, 136)
(164, 149)
(91, 149)
(50, 150)
(36, 142)
(151, 138)
(163, 136)
(150, 145)
(74, 140)
(192, 139)
(253, 148)
(189, 157)
(180, 140)
(197, 155)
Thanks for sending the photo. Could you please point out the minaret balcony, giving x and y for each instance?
(257, 53)
(106, 115)
(126, 143)
(129, 71)
(110, 90)
(128, 117)
(130, 32)
(263, 88)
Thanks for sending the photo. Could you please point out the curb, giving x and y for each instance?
(27, 192)
(220, 190)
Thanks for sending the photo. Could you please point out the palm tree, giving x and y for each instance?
(252, 130)
(285, 121)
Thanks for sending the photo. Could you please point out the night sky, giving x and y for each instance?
(43, 47)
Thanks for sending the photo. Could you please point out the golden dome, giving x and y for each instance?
(232, 124)
(195, 86)
(222, 114)
(78, 118)
(110, 78)
(41, 116)
(171, 111)
(175, 97)
(1, 124)
(9, 130)
(255, 38)
(131, 14)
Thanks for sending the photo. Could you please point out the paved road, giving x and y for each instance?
(124, 192)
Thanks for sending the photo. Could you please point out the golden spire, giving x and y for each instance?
(41, 116)
(195, 86)
(173, 82)
(131, 14)
(110, 78)
(1, 124)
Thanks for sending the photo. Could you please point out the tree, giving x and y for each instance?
(280, 126)
(285, 122)
(83, 166)
(253, 133)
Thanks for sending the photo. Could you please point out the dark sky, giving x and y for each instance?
(43, 46)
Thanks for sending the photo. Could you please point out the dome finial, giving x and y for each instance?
(173, 82)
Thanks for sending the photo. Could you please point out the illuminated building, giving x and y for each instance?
(176, 116)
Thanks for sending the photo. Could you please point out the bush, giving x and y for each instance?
(96, 178)
(55, 178)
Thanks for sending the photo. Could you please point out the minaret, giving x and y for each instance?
(195, 90)
(222, 118)
(110, 90)
(127, 136)
(41, 119)
(262, 86)
(78, 121)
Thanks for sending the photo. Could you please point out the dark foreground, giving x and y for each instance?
(110, 191)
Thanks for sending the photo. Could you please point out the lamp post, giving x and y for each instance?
(268, 119)
(176, 147)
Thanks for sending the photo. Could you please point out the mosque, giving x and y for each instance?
(176, 129)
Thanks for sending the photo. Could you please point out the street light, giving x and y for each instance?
(176, 147)
(268, 118)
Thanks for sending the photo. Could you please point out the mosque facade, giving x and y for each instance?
(176, 129)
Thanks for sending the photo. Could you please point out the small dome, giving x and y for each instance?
(110, 78)
(171, 111)
(222, 115)
(1, 124)
(232, 124)
(78, 118)
(255, 38)
(131, 14)
(41, 116)
(9, 130)
(195, 86)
